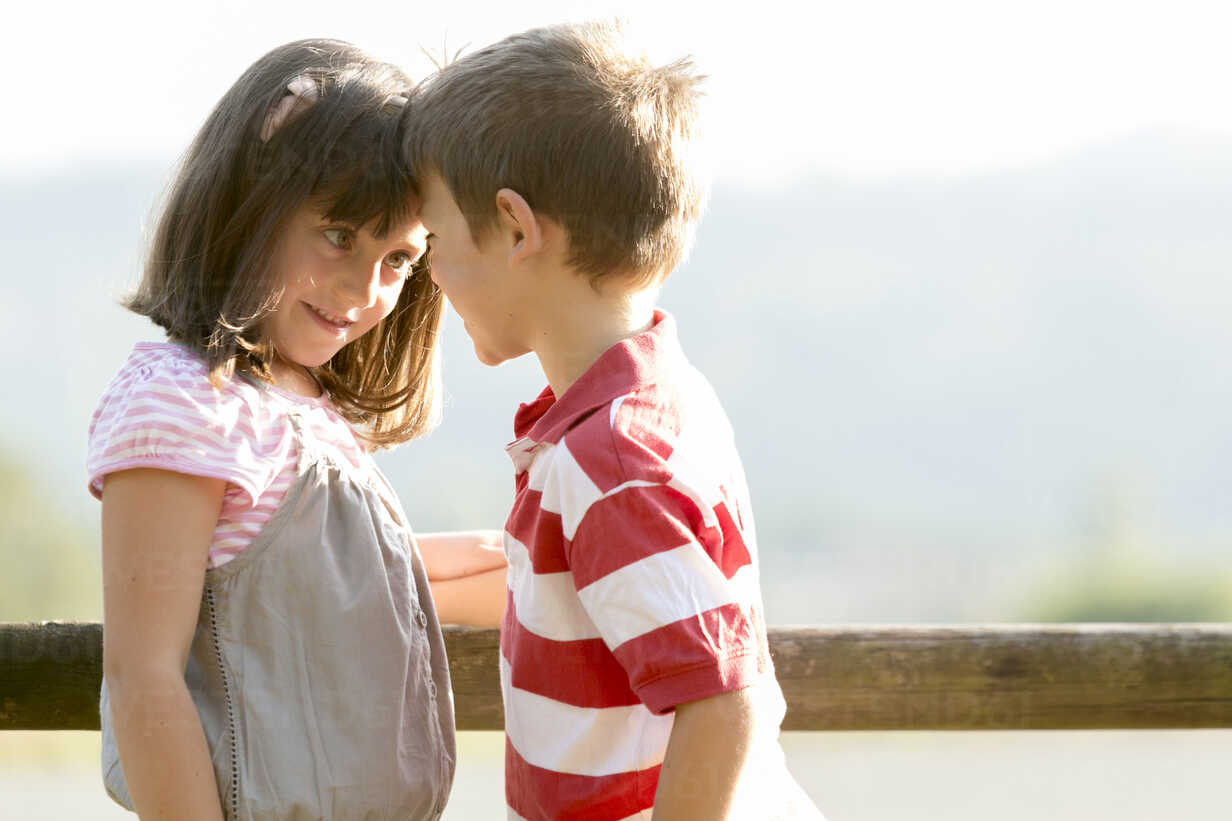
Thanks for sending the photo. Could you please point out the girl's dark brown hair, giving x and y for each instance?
(208, 278)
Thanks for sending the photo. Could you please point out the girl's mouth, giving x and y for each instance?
(330, 321)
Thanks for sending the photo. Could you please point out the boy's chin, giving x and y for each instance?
(492, 358)
(487, 357)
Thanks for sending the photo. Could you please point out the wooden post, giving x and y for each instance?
(50, 673)
(962, 677)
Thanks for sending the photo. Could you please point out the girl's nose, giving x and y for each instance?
(363, 283)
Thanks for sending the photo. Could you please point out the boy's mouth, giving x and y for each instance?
(328, 319)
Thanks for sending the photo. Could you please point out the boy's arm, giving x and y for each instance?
(461, 553)
(705, 767)
(477, 600)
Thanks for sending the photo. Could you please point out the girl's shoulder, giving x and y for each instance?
(176, 381)
(154, 364)
(161, 410)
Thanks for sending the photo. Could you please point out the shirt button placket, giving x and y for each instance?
(425, 657)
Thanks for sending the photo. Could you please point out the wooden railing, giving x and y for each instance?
(962, 677)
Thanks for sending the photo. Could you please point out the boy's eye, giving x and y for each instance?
(338, 237)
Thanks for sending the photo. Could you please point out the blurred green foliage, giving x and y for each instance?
(50, 566)
(1118, 571)
(1132, 590)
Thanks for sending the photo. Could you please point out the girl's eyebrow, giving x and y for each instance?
(339, 223)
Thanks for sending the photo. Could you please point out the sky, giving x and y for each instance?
(866, 88)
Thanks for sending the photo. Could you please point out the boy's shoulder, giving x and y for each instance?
(645, 435)
(629, 438)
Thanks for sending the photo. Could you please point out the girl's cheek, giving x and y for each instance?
(390, 300)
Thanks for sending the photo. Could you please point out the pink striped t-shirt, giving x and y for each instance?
(160, 411)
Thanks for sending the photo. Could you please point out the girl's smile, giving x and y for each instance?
(329, 321)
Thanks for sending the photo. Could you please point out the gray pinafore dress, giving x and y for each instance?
(318, 666)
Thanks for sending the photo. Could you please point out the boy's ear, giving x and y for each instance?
(518, 224)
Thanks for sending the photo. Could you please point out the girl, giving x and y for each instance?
(271, 647)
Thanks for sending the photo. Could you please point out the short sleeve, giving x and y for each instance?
(161, 411)
(672, 590)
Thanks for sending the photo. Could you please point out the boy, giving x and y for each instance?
(559, 190)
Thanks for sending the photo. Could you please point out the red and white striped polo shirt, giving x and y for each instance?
(633, 581)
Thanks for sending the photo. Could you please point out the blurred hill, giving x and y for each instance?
(934, 382)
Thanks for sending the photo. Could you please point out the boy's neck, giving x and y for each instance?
(584, 323)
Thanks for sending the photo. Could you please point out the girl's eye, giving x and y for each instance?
(338, 237)
(401, 262)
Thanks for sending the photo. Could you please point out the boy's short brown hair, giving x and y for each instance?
(599, 140)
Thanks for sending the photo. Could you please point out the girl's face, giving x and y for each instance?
(338, 282)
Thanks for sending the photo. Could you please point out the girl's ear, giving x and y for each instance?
(520, 228)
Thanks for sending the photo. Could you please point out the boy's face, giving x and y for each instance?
(478, 281)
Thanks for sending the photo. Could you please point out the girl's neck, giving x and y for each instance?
(294, 378)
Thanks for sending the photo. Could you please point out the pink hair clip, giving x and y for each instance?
(301, 93)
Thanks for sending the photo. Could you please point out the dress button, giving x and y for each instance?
(431, 688)
(423, 618)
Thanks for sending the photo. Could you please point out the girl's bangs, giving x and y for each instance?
(376, 192)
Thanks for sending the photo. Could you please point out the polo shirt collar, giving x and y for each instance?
(623, 368)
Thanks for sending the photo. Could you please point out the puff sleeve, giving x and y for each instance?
(161, 411)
